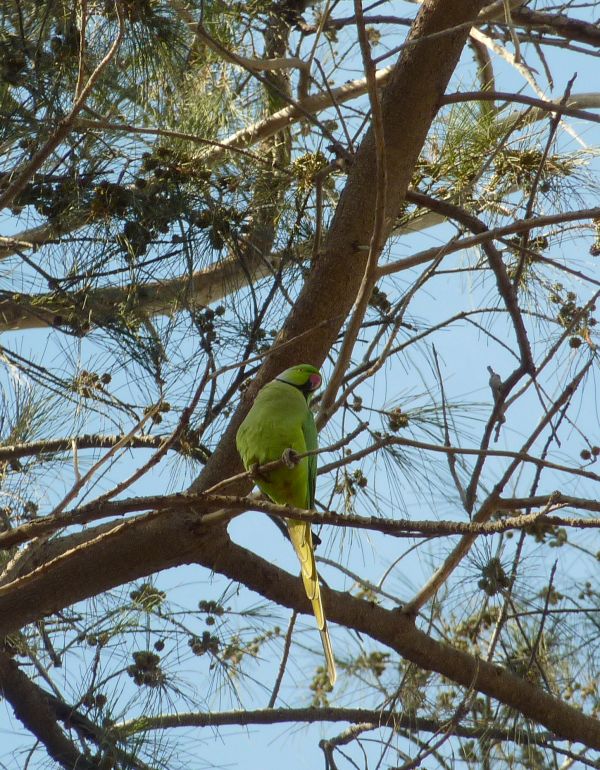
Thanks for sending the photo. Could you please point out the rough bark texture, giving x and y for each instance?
(33, 711)
(394, 629)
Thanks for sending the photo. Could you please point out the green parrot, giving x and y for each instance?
(280, 419)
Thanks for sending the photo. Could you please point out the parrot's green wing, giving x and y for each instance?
(309, 429)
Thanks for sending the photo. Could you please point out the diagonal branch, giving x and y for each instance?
(377, 236)
(505, 287)
(489, 505)
(33, 711)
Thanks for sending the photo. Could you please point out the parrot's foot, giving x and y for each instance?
(290, 458)
(255, 474)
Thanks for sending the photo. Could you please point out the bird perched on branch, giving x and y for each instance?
(279, 426)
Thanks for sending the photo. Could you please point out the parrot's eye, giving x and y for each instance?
(315, 381)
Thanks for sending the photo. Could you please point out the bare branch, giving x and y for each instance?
(379, 226)
(378, 717)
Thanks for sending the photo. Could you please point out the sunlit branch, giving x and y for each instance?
(206, 505)
(379, 227)
(488, 235)
(47, 447)
(545, 106)
(379, 717)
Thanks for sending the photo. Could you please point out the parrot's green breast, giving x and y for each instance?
(280, 419)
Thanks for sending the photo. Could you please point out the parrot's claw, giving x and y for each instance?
(290, 458)
(255, 474)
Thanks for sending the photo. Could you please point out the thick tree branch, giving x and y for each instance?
(99, 306)
(225, 278)
(397, 631)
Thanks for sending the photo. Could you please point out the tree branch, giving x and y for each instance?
(33, 711)
(505, 287)
(558, 24)
(489, 505)
(379, 717)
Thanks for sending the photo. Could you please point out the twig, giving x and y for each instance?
(469, 451)
(276, 464)
(451, 456)
(375, 366)
(210, 509)
(327, 745)
(82, 31)
(554, 123)
(167, 444)
(512, 59)
(76, 444)
(505, 288)
(540, 631)
(82, 481)
(284, 659)
(559, 24)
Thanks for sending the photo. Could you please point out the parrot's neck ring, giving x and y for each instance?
(305, 389)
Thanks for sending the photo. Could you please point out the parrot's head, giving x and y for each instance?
(304, 377)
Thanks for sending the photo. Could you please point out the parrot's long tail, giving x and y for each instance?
(328, 650)
(301, 537)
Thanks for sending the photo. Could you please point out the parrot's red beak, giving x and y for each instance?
(315, 381)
